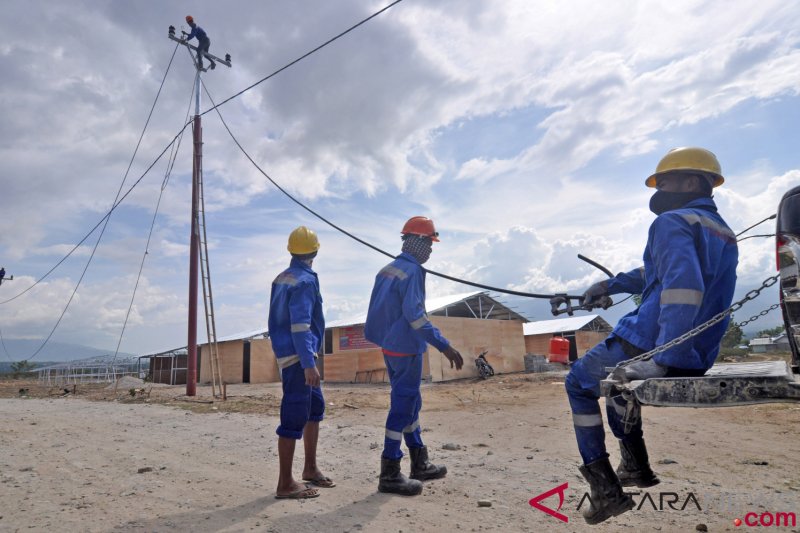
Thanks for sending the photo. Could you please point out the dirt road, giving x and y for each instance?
(73, 463)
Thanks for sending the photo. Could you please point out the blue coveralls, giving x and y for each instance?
(689, 275)
(203, 42)
(296, 330)
(398, 323)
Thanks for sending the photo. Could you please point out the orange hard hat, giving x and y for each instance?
(422, 226)
(189, 19)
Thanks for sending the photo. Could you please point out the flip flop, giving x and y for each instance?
(302, 494)
(325, 482)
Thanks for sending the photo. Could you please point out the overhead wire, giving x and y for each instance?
(167, 174)
(320, 47)
(106, 220)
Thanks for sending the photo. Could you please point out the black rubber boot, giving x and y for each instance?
(634, 468)
(606, 492)
(394, 482)
(423, 469)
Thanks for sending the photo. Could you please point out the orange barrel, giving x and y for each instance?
(559, 350)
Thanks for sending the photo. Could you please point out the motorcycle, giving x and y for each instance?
(484, 368)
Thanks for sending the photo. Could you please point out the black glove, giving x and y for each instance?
(597, 295)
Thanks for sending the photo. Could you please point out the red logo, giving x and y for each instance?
(543, 496)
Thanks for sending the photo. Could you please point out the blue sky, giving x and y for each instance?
(524, 129)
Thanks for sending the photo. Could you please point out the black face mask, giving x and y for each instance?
(663, 201)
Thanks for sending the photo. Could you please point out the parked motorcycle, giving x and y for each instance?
(484, 368)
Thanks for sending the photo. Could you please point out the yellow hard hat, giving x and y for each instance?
(303, 241)
(697, 159)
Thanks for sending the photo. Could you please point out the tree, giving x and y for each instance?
(733, 335)
(21, 367)
(771, 332)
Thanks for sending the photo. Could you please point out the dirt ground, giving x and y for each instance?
(151, 460)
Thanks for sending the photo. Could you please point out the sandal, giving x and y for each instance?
(325, 482)
(302, 494)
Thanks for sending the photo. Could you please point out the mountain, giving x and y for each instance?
(18, 349)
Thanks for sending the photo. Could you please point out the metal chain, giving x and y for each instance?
(706, 325)
(759, 315)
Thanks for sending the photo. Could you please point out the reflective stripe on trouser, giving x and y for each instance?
(583, 391)
(300, 403)
(405, 375)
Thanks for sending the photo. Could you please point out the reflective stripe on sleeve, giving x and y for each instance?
(681, 296)
(421, 321)
(711, 224)
(393, 435)
(641, 272)
(390, 271)
(587, 420)
(299, 328)
(289, 360)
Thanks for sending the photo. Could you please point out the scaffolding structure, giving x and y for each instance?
(102, 369)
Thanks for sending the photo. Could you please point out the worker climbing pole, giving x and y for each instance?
(198, 250)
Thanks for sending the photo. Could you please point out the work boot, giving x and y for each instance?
(607, 498)
(634, 468)
(421, 468)
(393, 481)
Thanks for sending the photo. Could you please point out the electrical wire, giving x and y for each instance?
(757, 224)
(107, 218)
(320, 47)
(167, 174)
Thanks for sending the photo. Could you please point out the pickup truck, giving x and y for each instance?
(728, 384)
(787, 249)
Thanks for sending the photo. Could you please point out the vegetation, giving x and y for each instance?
(21, 367)
(772, 332)
(733, 335)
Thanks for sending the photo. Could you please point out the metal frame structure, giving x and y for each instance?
(102, 369)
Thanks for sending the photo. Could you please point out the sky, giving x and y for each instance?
(524, 129)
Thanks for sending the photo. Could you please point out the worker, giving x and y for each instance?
(203, 43)
(296, 330)
(2, 274)
(398, 323)
(689, 276)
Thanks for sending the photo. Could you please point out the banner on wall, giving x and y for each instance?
(352, 338)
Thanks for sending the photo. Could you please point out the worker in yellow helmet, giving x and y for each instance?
(689, 276)
(296, 330)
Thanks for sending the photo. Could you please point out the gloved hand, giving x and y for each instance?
(597, 295)
(644, 370)
(454, 357)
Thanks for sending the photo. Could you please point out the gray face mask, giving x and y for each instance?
(418, 247)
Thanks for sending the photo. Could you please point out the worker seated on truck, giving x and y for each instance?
(689, 276)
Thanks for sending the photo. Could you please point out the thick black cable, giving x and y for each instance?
(170, 165)
(323, 45)
(345, 232)
(106, 219)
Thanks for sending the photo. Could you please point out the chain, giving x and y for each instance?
(706, 325)
(759, 315)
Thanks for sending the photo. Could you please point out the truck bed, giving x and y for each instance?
(726, 384)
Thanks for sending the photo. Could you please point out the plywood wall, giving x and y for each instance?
(584, 341)
(503, 339)
(231, 358)
(263, 367)
(343, 366)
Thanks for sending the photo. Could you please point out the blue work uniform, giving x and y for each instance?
(689, 276)
(296, 330)
(203, 42)
(398, 323)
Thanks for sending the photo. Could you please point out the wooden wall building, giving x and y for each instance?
(473, 322)
(583, 332)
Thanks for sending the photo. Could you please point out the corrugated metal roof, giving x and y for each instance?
(261, 332)
(431, 305)
(558, 325)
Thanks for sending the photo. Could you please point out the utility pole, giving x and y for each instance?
(194, 241)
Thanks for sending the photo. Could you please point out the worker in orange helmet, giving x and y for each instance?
(398, 323)
(203, 42)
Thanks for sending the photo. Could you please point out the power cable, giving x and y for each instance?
(107, 218)
(323, 45)
(167, 174)
(757, 224)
